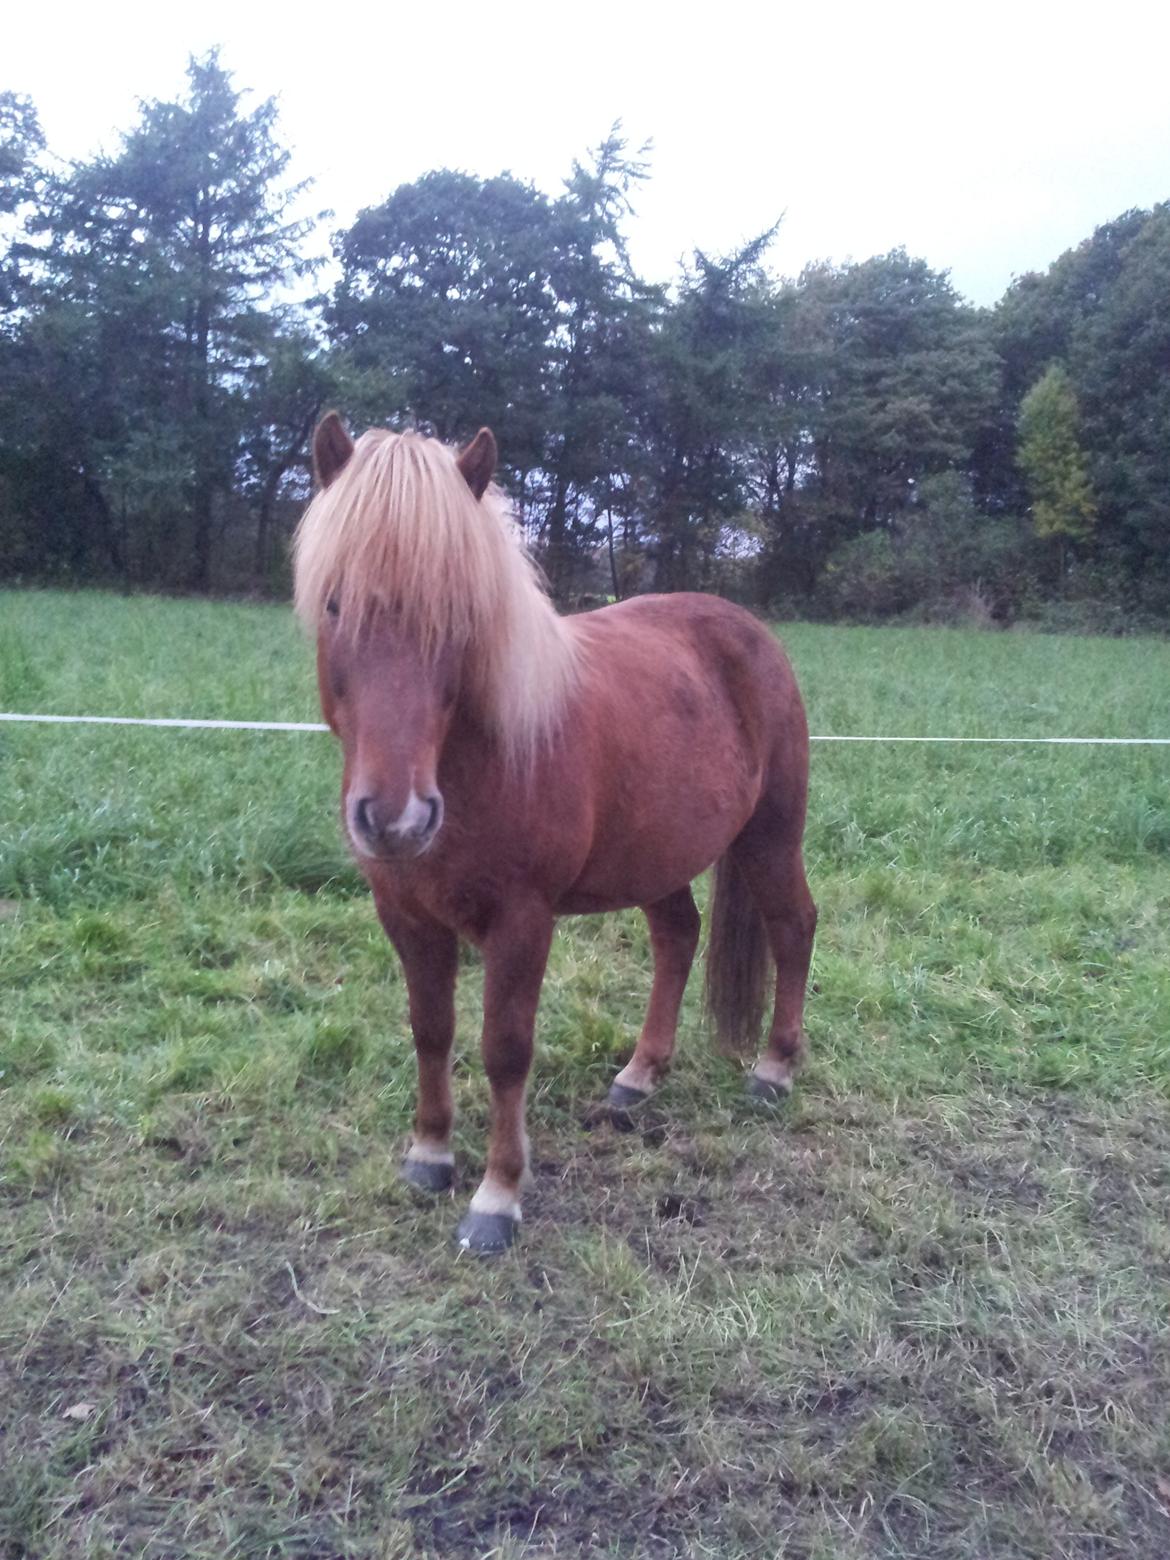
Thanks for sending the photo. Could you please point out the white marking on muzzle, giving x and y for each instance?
(413, 818)
(412, 823)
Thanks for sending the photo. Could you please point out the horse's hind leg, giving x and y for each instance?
(674, 936)
(773, 868)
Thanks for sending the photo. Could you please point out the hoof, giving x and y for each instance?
(767, 1093)
(428, 1175)
(486, 1234)
(622, 1097)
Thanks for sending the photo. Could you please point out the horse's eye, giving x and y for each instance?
(331, 607)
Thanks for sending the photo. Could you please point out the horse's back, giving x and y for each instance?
(707, 621)
(689, 642)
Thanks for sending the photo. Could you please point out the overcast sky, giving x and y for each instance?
(987, 138)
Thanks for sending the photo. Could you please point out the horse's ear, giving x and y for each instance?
(332, 447)
(477, 461)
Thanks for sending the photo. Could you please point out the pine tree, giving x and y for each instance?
(166, 255)
(21, 145)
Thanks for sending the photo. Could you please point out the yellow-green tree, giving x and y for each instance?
(1054, 464)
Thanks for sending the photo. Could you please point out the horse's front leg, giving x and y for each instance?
(515, 953)
(429, 954)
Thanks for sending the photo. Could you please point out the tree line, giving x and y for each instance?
(857, 441)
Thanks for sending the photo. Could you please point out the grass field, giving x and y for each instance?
(924, 1310)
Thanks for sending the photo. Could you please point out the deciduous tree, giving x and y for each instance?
(1054, 464)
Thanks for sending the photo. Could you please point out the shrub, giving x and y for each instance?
(946, 562)
(871, 577)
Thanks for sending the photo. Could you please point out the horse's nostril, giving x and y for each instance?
(433, 821)
(362, 816)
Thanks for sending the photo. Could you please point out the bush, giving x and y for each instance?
(946, 562)
(870, 577)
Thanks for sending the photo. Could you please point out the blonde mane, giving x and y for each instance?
(399, 530)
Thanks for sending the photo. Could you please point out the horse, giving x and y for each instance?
(504, 766)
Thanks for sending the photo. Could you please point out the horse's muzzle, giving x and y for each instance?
(401, 837)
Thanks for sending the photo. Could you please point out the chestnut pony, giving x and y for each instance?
(505, 766)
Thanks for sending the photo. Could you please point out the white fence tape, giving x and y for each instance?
(1040, 741)
(140, 720)
(304, 725)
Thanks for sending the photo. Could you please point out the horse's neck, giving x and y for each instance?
(478, 773)
(474, 768)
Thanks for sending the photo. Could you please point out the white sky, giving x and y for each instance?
(986, 138)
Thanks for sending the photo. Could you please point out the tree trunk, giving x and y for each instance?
(613, 573)
(263, 526)
(556, 552)
(202, 502)
(98, 507)
(201, 512)
(292, 450)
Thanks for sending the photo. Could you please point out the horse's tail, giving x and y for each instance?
(737, 962)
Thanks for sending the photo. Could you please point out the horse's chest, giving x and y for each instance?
(472, 889)
(468, 904)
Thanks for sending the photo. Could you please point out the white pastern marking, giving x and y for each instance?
(493, 1198)
(631, 1077)
(775, 1072)
(430, 1154)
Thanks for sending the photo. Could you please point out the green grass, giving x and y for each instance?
(920, 1312)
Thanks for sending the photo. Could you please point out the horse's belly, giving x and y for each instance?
(682, 725)
(660, 841)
